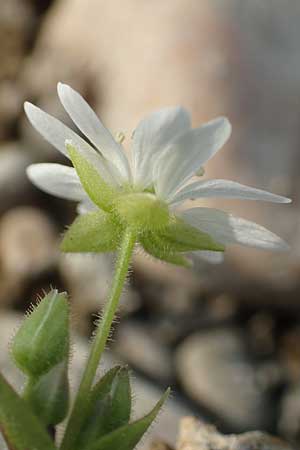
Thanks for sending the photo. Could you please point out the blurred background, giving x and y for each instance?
(227, 337)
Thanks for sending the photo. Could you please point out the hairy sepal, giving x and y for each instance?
(182, 237)
(42, 341)
(159, 248)
(100, 192)
(92, 232)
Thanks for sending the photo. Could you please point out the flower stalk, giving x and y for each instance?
(79, 409)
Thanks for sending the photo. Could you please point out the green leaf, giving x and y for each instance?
(160, 248)
(48, 396)
(128, 436)
(100, 192)
(110, 407)
(182, 237)
(42, 341)
(20, 427)
(93, 232)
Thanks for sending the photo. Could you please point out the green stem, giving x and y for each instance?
(79, 409)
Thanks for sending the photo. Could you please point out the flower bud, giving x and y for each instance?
(42, 341)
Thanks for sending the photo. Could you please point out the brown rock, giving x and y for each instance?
(16, 22)
(28, 243)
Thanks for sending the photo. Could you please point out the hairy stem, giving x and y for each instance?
(78, 414)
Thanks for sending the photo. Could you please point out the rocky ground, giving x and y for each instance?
(225, 338)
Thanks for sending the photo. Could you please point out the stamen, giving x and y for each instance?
(200, 172)
(120, 136)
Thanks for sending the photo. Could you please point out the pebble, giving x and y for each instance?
(135, 343)
(215, 371)
(16, 25)
(14, 184)
(28, 243)
(289, 420)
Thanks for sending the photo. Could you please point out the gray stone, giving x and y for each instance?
(289, 420)
(214, 370)
(136, 344)
(14, 184)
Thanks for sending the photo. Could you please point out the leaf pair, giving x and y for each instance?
(107, 425)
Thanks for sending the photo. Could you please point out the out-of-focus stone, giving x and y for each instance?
(196, 435)
(168, 288)
(28, 244)
(16, 24)
(289, 420)
(215, 370)
(14, 184)
(135, 344)
(290, 353)
(88, 279)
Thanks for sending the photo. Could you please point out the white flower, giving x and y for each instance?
(166, 154)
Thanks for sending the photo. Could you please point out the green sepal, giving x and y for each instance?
(21, 429)
(93, 232)
(142, 211)
(128, 436)
(182, 237)
(48, 396)
(100, 192)
(160, 248)
(42, 341)
(109, 407)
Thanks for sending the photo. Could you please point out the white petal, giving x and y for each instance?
(86, 206)
(211, 257)
(152, 135)
(187, 154)
(57, 134)
(228, 229)
(225, 189)
(58, 180)
(87, 121)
